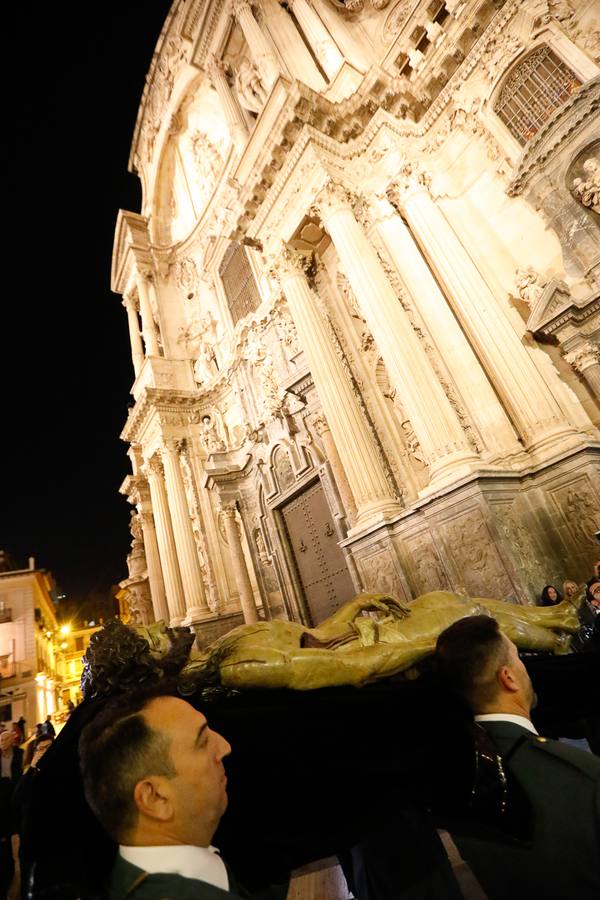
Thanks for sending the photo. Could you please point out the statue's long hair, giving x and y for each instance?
(119, 660)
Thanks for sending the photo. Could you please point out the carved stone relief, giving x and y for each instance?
(379, 573)
(429, 570)
(475, 556)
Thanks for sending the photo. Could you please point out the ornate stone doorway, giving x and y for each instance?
(320, 562)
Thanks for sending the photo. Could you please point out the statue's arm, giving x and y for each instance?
(309, 669)
(336, 624)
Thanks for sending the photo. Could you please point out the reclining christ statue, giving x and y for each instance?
(350, 648)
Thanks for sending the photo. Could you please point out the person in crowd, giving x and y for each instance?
(561, 784)
(550, 596)
(153, 774)
(48, 728)
(588, 636)
(20, 805)
(12, 757)
(10, 772)
(572, 592)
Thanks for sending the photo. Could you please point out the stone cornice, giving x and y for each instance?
(580, 108)
(155, 400)
(130, 247)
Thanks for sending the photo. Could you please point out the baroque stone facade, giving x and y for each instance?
(363, 296)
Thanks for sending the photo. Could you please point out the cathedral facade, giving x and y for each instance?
(363, 295)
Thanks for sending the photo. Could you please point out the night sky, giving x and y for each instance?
(77, 79)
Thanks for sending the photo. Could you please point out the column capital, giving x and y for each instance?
(410, 179)
(320, 424)
(130, 300)
(240, 6)
(228, 508)
(214, 67)
(583, 357)
(332, 198)
(172, 446)
(153, 466)
(288, 263)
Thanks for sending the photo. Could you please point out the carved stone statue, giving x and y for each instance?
(210, 437)
(205, 366)
(587, 189)
(249, 87)
(529, 286)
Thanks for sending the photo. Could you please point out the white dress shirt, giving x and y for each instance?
(202, 863)
(507, 717)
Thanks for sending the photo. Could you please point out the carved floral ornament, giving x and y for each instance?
(396, 19)
(331, 199)
(288, 263)
(584, 357)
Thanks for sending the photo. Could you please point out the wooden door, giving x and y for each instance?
(320, 562)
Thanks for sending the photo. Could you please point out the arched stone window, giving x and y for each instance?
(238, 282)
(535, 87)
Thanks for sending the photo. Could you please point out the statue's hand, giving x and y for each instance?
(385, 603)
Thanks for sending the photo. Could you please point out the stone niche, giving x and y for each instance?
(498, 536)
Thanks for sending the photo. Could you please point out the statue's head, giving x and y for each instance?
(121, 658)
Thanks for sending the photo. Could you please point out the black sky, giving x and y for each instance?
(77, 78)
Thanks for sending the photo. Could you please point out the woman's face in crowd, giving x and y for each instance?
(570, 588)
(552, 595)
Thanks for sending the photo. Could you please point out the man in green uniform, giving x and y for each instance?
(561, 859)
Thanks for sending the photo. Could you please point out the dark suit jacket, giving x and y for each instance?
(562, 859)
(128, 881)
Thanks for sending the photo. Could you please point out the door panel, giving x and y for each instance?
(320, 562)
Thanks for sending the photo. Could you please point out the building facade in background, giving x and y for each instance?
(363, 295)
(40, 658)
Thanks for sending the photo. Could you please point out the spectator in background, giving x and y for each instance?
(48, 727)
(550, 596)
(10, 772)
(21, 801)
(572, 592)
(12, 758)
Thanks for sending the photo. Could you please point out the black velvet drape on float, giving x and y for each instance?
(311, 773)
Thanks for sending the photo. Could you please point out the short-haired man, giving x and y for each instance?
(561, 783)
(153, 774)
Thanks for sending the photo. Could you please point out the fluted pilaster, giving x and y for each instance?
(137, 349)
(238, 562)
(493, 426)
(187, 554)
(433, 419)
(166, 541)
(528, 400)
(357, 452)
(258, 43)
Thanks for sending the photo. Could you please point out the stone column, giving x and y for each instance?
(292, 48)
(231, 110)
(344, 36)
(322, 426)
(444, 444)
(189, 564)
(532, 408)
(148, 323)
(261, 49)
(477, 394)
(155, 576)
(137, 349)
(325, 48)
(166, 542)
(238, 562)
(359, 457)
(585, 359)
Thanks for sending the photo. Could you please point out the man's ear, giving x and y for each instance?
(507, 680)
(153, 799)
